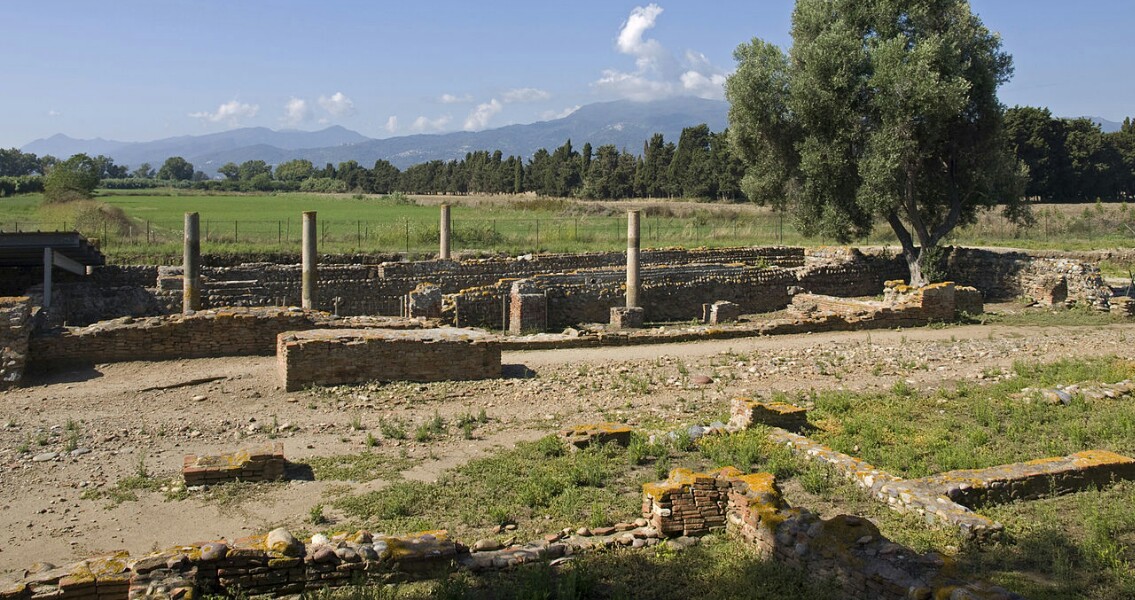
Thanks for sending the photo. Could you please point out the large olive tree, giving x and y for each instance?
(881, 109)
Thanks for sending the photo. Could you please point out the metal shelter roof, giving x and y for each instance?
(25, 249)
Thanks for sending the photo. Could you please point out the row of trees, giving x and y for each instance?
(700, 165)
(1072, 160)
(1068, 160)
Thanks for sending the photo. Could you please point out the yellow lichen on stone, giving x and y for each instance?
(679, 478)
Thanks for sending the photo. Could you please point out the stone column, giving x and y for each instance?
(445, 232)
(632, 258)
(310, 273)
(191, 265)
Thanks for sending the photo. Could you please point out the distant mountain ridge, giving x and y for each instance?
(624, 123)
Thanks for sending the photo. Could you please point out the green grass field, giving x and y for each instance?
(147, 227)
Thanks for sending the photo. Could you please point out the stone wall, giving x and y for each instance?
(210, 333)
(1008, 274)
(847, 549)
(15, 327)
(581, 287)
(339, 356)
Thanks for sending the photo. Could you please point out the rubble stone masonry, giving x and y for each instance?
(14, 331)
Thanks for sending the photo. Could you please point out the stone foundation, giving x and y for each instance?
(847, 549)
(15, 327)
(626, 317)
(722, 311)
(345, 356)
(266, 463)
(582, 436)
(210, 333)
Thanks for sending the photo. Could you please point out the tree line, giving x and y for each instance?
(1072, 160)
(1069, 160)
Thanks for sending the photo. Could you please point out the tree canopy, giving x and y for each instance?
(73, 179)
(176, 168)
(881, 109)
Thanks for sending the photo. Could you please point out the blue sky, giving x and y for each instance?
(138, 70)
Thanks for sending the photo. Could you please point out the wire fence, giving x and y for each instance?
(1093, 227)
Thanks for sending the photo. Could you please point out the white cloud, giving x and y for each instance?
(658, 72)
(424, 124)
(703, 86)
(53, 113)
(451, 99)
(296, 111)
(392, 124)
(479, 118)
(230, 112)
(550, 115)
(338, 105)
(525, 95)
(634, 86)
(648, 52)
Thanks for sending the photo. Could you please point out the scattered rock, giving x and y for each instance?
(486, 545)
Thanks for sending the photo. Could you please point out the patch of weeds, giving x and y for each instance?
(315, 516)
(641, 450)
(370, 440)
(431, 429)
(392, 429)
(364, 466)
(357, 423)
(24, 447)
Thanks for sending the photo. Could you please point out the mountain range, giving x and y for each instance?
(624, 123)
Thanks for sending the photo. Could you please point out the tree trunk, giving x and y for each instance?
(914, 258)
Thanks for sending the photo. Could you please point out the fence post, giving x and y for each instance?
(236, 231)
(359, 233)
(279, 233)
(406, 222)
(537, 250)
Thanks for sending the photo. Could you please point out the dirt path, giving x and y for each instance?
(72, 436)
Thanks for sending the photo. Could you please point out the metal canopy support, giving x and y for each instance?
(67, 264)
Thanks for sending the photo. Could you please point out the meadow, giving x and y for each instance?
(146, 226)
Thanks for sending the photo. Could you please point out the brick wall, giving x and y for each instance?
(227, 332)
(338, 356)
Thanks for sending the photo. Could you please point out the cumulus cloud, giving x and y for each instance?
(231, 112)
(658, 72)
(451, 99)
(525, 95)
(53, 113)
(550, 115)
(479, 118)
(392, 124)
(425, 124)
(296, 111)
(648, 53)
(338, 105)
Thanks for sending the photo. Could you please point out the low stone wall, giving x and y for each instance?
(338, 356)
(15, 328)
(209, 333)
(266, 463)
(847, 549)
(1033, 479)
(902, 305)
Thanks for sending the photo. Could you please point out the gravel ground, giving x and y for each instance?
(72, 435)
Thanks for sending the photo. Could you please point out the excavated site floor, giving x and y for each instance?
(103, 424)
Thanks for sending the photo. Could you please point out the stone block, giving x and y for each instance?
(424, 301)
(746, 412)
(264, 463)
(723, 311)
(626, 318)
(582, 436)
(347, 356)
(968, 300)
